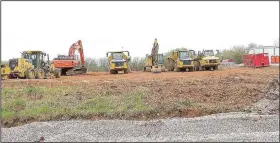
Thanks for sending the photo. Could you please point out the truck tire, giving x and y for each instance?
(216, 68)
(57, 73)
(30, 73)
(40, 74)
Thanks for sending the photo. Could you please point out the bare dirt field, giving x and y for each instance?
(137, 95)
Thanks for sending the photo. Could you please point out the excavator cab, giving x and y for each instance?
(154, 62)
(118, 61)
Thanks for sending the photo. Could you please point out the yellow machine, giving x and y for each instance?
(154, 62)
(157, 67)
(206, 60)
(5, 70)
(118, 61)
(31, 65)
(181, 60)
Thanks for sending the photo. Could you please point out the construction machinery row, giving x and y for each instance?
(181, 60)
(36, 64)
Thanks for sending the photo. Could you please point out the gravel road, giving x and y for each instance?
(220, 127)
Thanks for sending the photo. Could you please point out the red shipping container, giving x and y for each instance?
(256, 60)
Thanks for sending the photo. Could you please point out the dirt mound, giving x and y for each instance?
(270, 103)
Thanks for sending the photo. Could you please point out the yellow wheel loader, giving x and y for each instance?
(206, 60)
(31, 65)
(5, 70)
(118, 61)
(181, 60)
(154, 62)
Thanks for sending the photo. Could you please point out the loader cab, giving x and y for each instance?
(208, 53)
(37, 58)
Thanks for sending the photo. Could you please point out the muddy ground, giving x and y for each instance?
(171, 94)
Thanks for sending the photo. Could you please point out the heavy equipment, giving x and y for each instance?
(69, 64)
(154, 62)
(31, 65)
(5, 70)
(118, 61)
(206, 60)
(181, 60)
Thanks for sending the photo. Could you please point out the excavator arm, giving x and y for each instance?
(79, 47)
(154, 52)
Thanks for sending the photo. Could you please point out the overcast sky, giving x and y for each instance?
(109, 26)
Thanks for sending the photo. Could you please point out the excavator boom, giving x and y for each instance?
(79, 47)
(68, 64)
(154, 62)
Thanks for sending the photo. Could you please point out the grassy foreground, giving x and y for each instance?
(27, 104)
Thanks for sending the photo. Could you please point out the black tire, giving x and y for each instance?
(125, 71)
(191, 69)
(57, 73)
(30, 73)
(113, 72)
(40, 74)
(216, 68)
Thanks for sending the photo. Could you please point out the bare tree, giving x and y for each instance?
(252, 45)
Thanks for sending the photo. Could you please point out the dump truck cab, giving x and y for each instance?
(207, 60)
(181, 60)
(118, 61)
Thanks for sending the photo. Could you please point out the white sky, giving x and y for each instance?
(107, 26)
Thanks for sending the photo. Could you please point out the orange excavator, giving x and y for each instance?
(69, 64)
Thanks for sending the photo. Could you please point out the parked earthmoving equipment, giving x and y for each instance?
(118, 61)
(181, 60)
(69, 64)
(31, 65)
(158, 67)
(5, 70)
(206, 60)
(255, 60)
(154, 62)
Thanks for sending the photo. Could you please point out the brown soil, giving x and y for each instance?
(223, 90)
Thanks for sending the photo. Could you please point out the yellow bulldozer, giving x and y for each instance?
(31, 65)
(181, 60)
(206, 60)
(154, 62)
(118, 61)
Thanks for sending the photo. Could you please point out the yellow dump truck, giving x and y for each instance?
(206, 60)
(181, 60)
(118, 61)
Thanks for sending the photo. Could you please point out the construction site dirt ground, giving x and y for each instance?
(137, 95)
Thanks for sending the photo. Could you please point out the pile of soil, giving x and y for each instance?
(270, 103)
